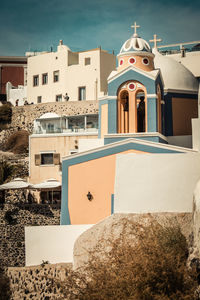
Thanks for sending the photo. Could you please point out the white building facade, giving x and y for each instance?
(68, 76)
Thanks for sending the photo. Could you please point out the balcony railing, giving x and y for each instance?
(74, 130)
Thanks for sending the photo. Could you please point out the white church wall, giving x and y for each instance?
(51, 243)
(180, 140)
(155, 182)
(196, 134)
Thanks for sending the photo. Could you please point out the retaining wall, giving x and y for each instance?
(35, 282)
(13, 218)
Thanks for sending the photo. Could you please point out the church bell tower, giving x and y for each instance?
(133, 103)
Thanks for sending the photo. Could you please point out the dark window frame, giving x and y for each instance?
(36, 80)
(56, 75)
(45, 78)
(49, 155)
(59, 95)
(87, 61)
(39, 97)
(79, 93)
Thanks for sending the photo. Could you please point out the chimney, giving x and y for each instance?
(182, 51)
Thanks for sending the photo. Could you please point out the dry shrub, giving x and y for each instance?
(5, 292)
(18, 142)
(6, 171)
(153, 267)
(5, 113)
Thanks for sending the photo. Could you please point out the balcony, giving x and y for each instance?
(54, 124)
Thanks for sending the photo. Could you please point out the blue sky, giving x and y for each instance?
(85, 24)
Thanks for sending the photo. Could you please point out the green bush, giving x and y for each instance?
(152, 267)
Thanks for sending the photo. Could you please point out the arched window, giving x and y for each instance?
(132, 108)
(123, 112)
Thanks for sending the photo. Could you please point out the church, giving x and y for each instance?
(148, 109)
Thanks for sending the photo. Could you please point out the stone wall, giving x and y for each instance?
(24, 116)
(13, 218)
(35, 282)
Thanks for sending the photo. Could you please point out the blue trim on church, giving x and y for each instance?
(156, 139)
(64, 214)
(152, 114)
(112, 204)
(112, 115)
(114, 85)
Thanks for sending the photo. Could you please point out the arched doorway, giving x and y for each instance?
(132, 108)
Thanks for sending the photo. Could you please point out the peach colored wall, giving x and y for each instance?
(104, 120)
(96, 176)
(58, 144)
(138, 64)
(183, 111)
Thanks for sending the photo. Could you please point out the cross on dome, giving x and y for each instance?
(155, 40)
(135, 26)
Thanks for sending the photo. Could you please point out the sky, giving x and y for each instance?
(38, 25)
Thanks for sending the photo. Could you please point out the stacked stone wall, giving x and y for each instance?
(23, 116)
(35, 282)
(13, 219)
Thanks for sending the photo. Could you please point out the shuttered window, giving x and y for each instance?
(37, 159)
(56, 158)
(47, 159)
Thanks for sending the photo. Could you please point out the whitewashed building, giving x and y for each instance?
(68, 76)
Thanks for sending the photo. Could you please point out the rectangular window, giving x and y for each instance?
(36, 80)
(50, 128)
(82, 93)
(56, 76)
(45, 78)
(39, 99)
(87, 61)
(58, 98)
(46, 158)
